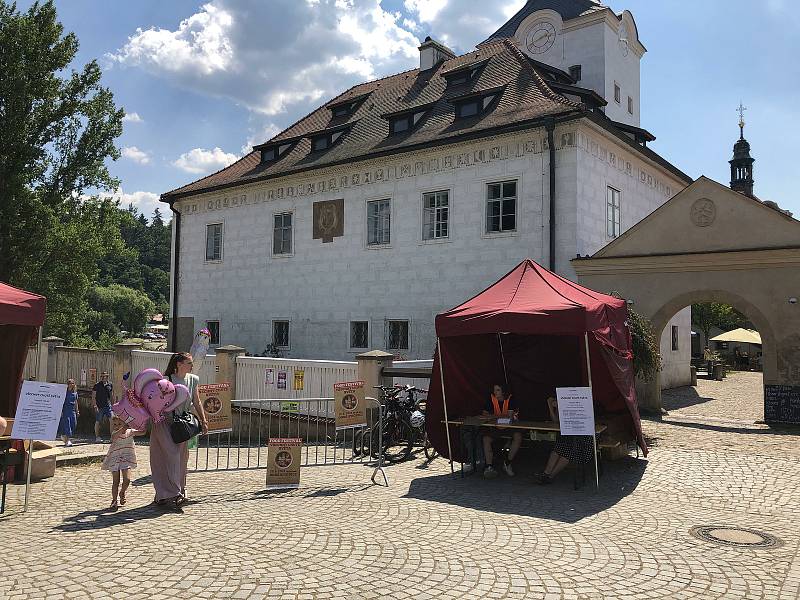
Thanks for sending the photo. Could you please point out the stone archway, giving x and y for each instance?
(743, 253)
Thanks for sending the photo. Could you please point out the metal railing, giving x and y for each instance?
(246, 445)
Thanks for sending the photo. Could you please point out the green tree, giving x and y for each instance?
(706, 316)
(646, 355)
(57, 128)
(130, 308)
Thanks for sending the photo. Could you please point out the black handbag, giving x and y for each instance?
(184, 427)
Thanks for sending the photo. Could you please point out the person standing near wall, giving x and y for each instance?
(69, 413)
(101, 400)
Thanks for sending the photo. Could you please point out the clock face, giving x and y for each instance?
(541, 38)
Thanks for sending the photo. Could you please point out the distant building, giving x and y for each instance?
(404, 196)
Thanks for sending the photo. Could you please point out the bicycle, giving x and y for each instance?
(397, 436)
(417, 419)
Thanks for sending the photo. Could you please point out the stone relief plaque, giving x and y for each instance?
(328, 220)
(703, 212)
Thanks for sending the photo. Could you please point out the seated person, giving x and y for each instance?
(500, 405)
(568, 449)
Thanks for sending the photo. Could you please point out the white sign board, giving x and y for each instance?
(575, 410)
(39, 411)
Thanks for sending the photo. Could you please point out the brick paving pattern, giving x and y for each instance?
(740, 397)
(428, 535)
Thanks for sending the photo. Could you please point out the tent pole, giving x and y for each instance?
(594, 433)
(444, 404)
(502, 356)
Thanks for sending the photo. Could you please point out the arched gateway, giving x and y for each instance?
(711, 244)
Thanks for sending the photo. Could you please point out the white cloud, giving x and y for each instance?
(138, 156)
(200, 161)
(260, 135)
(132, 118)
(275, 56)
(145, 202)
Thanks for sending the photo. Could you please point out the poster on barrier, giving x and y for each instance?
(92, 377)
(215, 398)
(38, 411)
(282, 375)
(287, 406)
(283, 463)
(575, 410)
(269, 377)
(299, 380)
(350, 405)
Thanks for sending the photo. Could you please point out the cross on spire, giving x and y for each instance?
(741, 110)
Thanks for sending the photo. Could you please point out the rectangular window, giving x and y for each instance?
(612, 212)
(575, 73)
(400, 124)
(501, 207)
(674, 338)
(359, 334)
(379, 222)
(282, 234)
(319, 143)
(630, 105)
(435, 215)
(468, 109)
(397, 335)
(280, 334)
(214, 241)
(213, 328)
(617, 93)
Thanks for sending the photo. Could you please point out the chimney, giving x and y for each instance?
(431, 53)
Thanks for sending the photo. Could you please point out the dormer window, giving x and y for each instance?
(273, 152)
(465, 74)
(406, 120)
(327, 138)
(475, 104)
(346, 108)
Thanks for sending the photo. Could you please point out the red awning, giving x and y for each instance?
(18, 307)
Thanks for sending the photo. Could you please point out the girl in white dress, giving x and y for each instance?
(121, 458)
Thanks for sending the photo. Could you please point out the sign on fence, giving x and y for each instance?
(269, 377)
(299, 379)
(282, 375)
(350, 405)
(283, 458)
(215, 398)
(575, 410)
(38, 411)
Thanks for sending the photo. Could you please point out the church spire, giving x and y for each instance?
(742, 162)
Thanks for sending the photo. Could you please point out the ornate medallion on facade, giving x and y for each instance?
(328, 220)
(703, 212)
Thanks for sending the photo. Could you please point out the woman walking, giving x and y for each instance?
(69, 413)
(169, 461)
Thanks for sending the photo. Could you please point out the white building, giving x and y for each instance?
(405, 196)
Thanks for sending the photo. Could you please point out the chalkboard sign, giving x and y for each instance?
(782, 403)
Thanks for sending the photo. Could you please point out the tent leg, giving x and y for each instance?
(594, 436)
(28, 475)
(444, 404)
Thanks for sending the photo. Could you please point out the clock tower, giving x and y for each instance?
(599, 49)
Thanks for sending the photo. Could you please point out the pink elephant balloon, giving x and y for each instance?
(131, 411)
(143, 378)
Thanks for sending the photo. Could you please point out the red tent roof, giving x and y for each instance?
(18, 307)
(532, 300)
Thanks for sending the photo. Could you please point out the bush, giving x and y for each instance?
(646, 356)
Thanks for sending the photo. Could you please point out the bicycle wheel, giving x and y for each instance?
(398, 440)
(430, 451)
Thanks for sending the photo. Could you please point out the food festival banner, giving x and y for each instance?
(215, 398)
(350, 405)
(283, 463)
(575, 410)
(38, 411)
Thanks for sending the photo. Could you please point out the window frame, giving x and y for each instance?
(382, 244)
(221, 224)
(350, 335)
(291, 234)
(613, 212)
(675, 338)
(211, 330)
(576, 72)
(630, 105)
(332, 138)
(387, 334)
(424, 211)
(288, 345)
(486, 200)
(483, 101)
(617, 93)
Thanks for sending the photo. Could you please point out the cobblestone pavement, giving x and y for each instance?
(428, 535)
(740, 397)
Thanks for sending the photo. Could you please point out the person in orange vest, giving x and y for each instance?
(500, 405)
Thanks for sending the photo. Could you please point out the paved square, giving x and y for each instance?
(428, 535)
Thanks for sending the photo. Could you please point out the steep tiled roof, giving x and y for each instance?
(568, 9)
(525, 96)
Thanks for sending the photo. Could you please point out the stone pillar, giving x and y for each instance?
(226, 366)
(123, 364)
(648, 395)
(52, 342)
(41, 374)
(370, 365)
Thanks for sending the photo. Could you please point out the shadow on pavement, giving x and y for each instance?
(105, 517)
(521, 496)
(793, 430)
(682, 397)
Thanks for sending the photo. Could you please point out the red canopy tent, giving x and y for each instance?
(21, 314)
(531, 329)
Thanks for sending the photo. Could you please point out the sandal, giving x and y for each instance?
(122, 499)
(544, 479)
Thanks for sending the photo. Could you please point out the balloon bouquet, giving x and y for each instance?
(153, 395)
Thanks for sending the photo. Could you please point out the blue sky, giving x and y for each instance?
(203, 81)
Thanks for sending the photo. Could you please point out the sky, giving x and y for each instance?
(201, 82)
